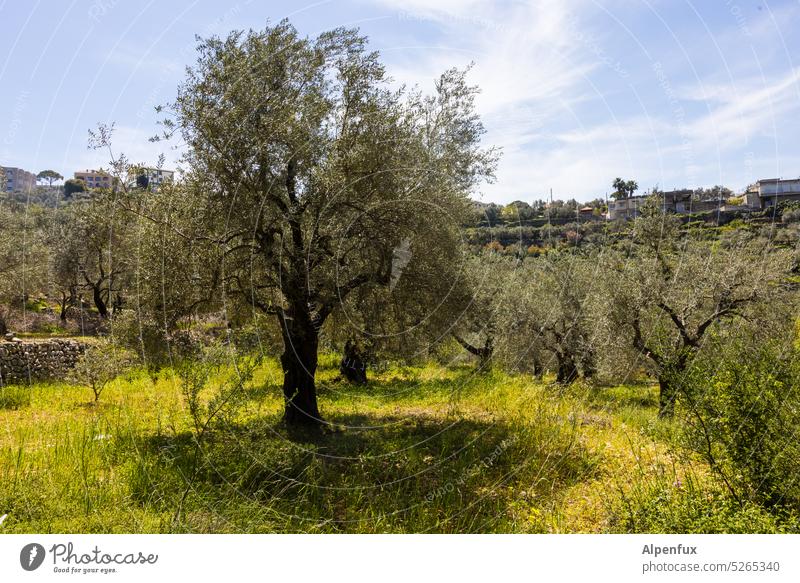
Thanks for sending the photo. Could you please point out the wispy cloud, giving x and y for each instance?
(755, 107)
(571, 116)
(526, 62)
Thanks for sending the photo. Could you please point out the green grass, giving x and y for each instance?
(14, 397)
(419, 449)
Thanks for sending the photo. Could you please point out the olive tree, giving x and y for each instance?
(23, 254)
(101, 363)
(91, 251)
(546, 315)
(413, 316)
(475, 305)
(308, 169)
(10, 262)
(668, 292)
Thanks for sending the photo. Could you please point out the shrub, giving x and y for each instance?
(672, 504)
(742, 411)
(494, 246)
(145, 336)
(791, 216)
(213, 383)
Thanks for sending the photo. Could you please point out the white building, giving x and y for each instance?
(154, 177)
(768, 192)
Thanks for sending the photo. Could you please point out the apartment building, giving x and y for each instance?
(96, 179)
(19, 180)
(153, 178)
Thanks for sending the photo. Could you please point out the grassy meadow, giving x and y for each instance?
(419, 449)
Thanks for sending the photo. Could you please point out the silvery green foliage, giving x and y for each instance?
(102, 362)
(668, 293)
(544, 316)
(213, 381)
(306, 169)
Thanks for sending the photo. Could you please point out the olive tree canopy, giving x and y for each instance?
(670, 292)
(308, 169)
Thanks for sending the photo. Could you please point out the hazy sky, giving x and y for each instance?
(672, 93)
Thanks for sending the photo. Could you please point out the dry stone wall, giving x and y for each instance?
(24, 362)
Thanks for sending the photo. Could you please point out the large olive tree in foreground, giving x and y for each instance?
(308, 169)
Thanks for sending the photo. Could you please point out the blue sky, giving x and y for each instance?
(671, 93)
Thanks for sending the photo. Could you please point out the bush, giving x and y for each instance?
(791, 216)
(213, 383)
(145, 336)
(742, 412)
(669, 504)
(14, 397)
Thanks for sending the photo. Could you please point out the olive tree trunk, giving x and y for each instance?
(299, 363)
(666, 397)
(353, 365)
(567, 369)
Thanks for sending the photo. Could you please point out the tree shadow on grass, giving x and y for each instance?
(639, 395)
(383, 473)
(397, 387)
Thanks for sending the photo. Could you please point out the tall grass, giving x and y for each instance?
(14, 397)
(419, 449)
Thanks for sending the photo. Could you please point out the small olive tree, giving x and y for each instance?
(545, 315)
(101, 363)
(213, 382)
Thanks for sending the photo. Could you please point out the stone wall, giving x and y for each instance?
(23, 362)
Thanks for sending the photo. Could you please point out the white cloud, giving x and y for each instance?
(753, 108)
(527, 63)
(537, 63)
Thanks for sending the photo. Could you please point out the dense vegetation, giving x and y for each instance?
(315, 330)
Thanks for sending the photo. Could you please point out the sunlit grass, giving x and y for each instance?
(419, 449)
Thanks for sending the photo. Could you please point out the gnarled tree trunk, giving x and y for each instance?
(353, 366)
(484, 354)
(99, 303)
(567, 369)
(538, 367)
(666, 398)
(299, 363)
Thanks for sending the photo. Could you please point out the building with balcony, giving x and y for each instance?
(19, 180)
(768, 192)
(672, 201)
(153, 178)
(96, 179)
